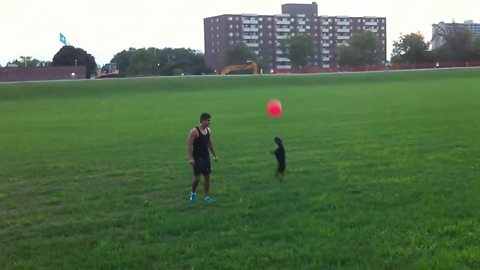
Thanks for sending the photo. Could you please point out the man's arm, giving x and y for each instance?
(191, 137)
(210, 146)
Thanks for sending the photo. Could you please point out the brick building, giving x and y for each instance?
(264, 33)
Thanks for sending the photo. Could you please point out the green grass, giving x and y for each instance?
(383, 173)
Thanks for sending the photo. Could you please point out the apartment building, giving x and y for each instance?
(439, 30)
(264, 34)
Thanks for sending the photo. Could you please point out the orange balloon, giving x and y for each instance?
(274, 108)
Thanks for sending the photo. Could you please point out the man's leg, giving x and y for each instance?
(193, 196)
(196, 180)
(206, 184)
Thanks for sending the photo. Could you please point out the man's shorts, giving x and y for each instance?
(202, 166)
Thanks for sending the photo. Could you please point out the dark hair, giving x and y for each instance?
(204, 116)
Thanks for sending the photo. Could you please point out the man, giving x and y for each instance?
(199, 144)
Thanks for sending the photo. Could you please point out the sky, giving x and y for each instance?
(106, 27)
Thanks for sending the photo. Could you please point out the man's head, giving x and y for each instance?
(205, 119)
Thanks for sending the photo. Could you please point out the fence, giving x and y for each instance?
(377, 67)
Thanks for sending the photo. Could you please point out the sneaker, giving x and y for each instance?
(193, 197)
(209, 199)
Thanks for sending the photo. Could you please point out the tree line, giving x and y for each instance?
(362, 49)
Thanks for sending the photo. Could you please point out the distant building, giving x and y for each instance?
(439, 30)
(264, 33)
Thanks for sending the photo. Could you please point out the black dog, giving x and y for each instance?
(280, 155)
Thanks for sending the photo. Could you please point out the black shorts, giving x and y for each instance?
(202, 166)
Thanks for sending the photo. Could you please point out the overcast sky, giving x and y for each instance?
(105, 27)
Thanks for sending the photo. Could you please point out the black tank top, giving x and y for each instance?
(200, 144)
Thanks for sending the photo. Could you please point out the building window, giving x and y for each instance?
(230, 34)
(231, 26)
(230, 18)
(269, 19)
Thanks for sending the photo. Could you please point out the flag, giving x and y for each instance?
(63, 39)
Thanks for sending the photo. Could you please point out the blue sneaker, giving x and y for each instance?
(209, 199)
(193, 197)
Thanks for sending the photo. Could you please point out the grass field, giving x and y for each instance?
(383, 173)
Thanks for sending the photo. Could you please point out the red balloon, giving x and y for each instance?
(274, 108)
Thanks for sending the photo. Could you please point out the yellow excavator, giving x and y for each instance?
(109, 70)
(248, 66)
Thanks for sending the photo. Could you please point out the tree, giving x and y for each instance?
(411, 49)
(25, 61)
(71, 56)
(476, 49)
(459, 43)
(165, 62)
(298, 49)
(122, 60)
(362, 49)
(240, 53)
(141, 63)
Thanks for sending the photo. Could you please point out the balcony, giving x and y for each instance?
(371, 23)
(284, 30)
(250, 37)
(252, 45)
(325, 30)
(343, 30)
(281, 36)
(249, 21)
(301, 22)
(372, 30)
(282, 59)
(325, 23)
(249, 29)
(325, 45)
(325, 52)
(282, 22)
(325, 37)
(343, 23)
(343, 37)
